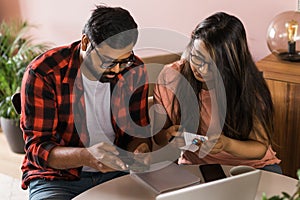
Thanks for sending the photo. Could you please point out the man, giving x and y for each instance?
(80, 100)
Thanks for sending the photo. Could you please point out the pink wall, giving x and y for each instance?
(60, 22)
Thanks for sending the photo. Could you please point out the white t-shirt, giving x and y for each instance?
(98, 114)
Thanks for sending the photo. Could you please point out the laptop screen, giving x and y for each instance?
(243, 186)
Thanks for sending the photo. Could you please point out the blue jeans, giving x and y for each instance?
(63, 190)
(273, 168)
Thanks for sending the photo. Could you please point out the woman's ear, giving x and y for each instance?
(84, 42)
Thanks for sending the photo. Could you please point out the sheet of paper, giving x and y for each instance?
(188, 138)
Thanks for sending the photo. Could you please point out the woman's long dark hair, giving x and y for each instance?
(247, 94)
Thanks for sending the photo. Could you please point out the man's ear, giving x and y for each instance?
(84, 42)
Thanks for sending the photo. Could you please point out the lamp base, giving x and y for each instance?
(295, 57)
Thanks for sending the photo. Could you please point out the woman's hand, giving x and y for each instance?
(175, 136)
(214, 144)
(172, 132)
(188, 158)
(238, 148)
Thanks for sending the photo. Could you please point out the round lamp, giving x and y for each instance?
(283, 36)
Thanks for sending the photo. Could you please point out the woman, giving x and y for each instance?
(233, 103)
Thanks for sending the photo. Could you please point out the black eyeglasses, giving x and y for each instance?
(199, 62)
(123, 63)
(109, 63)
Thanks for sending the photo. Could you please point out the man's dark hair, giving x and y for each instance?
(114, 25)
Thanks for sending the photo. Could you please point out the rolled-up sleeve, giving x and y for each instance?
(39, 118)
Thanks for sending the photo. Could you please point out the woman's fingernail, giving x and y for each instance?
(195, 141)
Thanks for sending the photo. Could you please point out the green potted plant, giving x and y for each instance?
(16, 51)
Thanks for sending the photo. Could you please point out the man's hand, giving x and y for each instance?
(141, 154)
(103, 157)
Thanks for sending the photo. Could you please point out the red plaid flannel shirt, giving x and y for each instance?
(53, 112)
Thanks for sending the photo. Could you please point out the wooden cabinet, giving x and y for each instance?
(283, 79)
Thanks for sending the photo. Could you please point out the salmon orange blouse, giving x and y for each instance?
(164, 97)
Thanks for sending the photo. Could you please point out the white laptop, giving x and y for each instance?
(243, 186)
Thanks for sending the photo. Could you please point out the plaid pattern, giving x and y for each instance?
(53, 111)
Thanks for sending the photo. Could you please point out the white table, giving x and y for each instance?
(126, 188)
(10, 188)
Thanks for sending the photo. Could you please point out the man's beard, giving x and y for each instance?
(104, 79)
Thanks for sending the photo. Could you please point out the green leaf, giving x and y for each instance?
(264, 196)
(286, 195)
(276, 198)
(17, 50)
